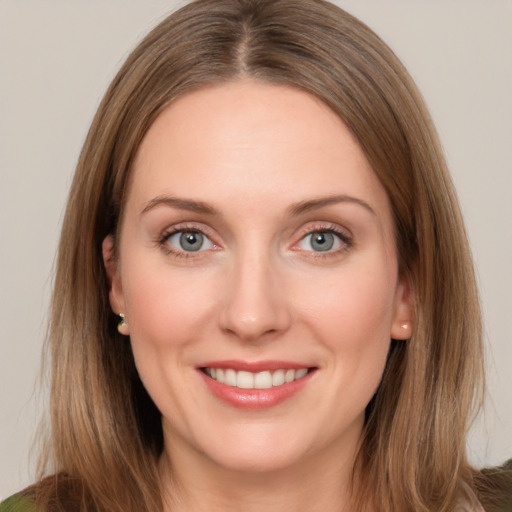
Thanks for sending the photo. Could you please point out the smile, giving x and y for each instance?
(260, 380)
(255, 385)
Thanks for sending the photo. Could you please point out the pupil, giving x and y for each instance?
(322, 241)
(191, 241)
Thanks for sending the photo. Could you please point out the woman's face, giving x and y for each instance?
(258, 277)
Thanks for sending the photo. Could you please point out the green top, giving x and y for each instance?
(17, 503)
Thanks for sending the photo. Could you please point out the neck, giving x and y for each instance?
(194, 482)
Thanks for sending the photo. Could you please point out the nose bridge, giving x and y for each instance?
(255, 302)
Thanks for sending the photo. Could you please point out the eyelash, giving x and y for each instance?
(343, 236)
(163, 240)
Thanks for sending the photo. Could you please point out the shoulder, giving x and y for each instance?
(17, 503)
(494, 488)
(55, 493)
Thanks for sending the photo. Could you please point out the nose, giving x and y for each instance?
(255, 305)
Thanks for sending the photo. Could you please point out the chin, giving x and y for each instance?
(257, 463)
(264, 453)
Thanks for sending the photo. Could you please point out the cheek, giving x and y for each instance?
(165, 307)
(351, 315)
(352, 307)
(167, 312)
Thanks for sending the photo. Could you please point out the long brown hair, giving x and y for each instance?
(106, 431)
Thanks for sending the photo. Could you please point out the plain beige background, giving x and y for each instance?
(56, 59)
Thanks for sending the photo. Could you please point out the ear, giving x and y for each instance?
(402, 326)
(115, 293)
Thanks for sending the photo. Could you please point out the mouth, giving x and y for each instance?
(266, 379)
(255, 385)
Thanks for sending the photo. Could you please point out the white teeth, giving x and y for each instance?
(301, 373)
(260, 380)
(245, 380)
(278, 378)
(263, 380)
(230, 377)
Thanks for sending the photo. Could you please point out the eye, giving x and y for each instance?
(189, 241)
(321, 241)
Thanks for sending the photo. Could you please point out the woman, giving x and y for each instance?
(262, 207)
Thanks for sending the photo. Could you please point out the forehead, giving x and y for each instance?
(259, 140)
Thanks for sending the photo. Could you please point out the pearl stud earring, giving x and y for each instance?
(122, 325)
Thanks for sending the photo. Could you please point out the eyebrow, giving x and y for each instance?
(182, 204)
(299, 208)
(315, 204)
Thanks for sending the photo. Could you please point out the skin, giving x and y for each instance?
(258, 291)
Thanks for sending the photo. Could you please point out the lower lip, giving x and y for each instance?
(255, 398)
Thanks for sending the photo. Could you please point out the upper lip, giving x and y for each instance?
(255, 366)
